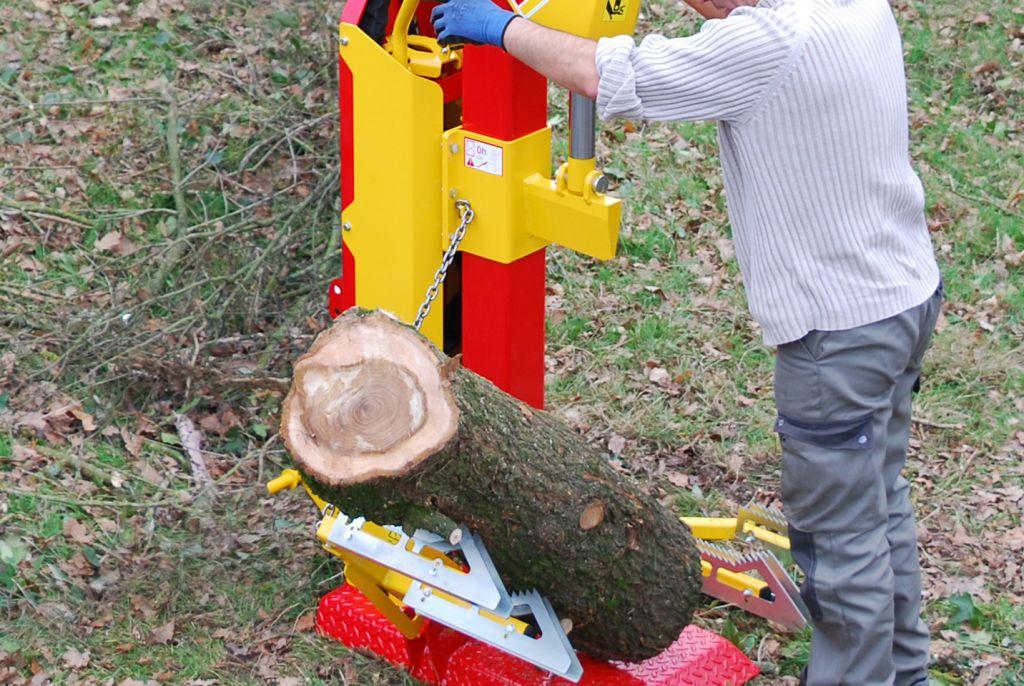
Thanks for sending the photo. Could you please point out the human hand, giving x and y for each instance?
(718, 9)
(470, 21)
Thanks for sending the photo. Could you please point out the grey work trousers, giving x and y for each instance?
(844, 402)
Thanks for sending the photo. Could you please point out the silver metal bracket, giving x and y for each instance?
(481, 585)
(550, 650)
(785, 608)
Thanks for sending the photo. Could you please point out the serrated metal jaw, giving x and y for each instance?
(739, 579)
(771, 519)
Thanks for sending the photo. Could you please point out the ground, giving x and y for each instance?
(168, 225)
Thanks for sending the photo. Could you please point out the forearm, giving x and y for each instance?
(569, 61)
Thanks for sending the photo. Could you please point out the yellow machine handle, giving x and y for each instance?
(400, 34)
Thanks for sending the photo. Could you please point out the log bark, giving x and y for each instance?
(383, 425)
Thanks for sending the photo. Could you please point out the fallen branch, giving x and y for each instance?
(936, 425)
(91, 472)
(47, 213)
(157, 283)
(191, 441)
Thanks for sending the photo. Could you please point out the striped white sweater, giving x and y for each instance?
(811, 104)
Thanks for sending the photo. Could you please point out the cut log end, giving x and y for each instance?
(367, 402)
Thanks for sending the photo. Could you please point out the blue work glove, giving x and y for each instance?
(470, 21)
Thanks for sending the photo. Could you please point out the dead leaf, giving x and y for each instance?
(147, 472)
(77, 531)
(29, 263)
(151, 11)
(115, 242)
(163, 634)
(616, 444)
(769, 649)
(679, 480)
(658, 375)
(108, 525)
(736, 461)
(23, 453)
(306, 622)
(990, 671)
(132, 442)
(33, 420)
(104, 22)
(73, 659)
(78, 565)
(147, 611)
(211, 424)
(593, 514)
(725, 249)
(88, 423)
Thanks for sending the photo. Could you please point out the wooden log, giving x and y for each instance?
(383, 425)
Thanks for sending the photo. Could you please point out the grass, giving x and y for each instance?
(105, 539)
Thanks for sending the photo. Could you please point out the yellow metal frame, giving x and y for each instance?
(523, 210)
(401, 151)
(498, 232)
(587, 223)
(398, 122)
(606, 18)
(730, 528)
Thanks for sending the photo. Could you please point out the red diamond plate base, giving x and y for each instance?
(442, 657)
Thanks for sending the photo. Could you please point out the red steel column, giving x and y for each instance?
(503, 304)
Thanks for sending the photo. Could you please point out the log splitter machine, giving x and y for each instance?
(448, 206)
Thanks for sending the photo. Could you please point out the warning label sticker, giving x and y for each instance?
(615, 10)
(484, 157)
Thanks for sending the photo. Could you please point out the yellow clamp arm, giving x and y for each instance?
(289, 479)
(711, 528)
(737, 580)
(766, 535)
(724, 529)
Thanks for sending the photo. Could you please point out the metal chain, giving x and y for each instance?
(466, 216)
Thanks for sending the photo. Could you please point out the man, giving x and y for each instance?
(828, 221)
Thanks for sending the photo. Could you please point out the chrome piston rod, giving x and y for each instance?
(582, 136)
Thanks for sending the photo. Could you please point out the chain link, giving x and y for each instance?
(466, 216)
